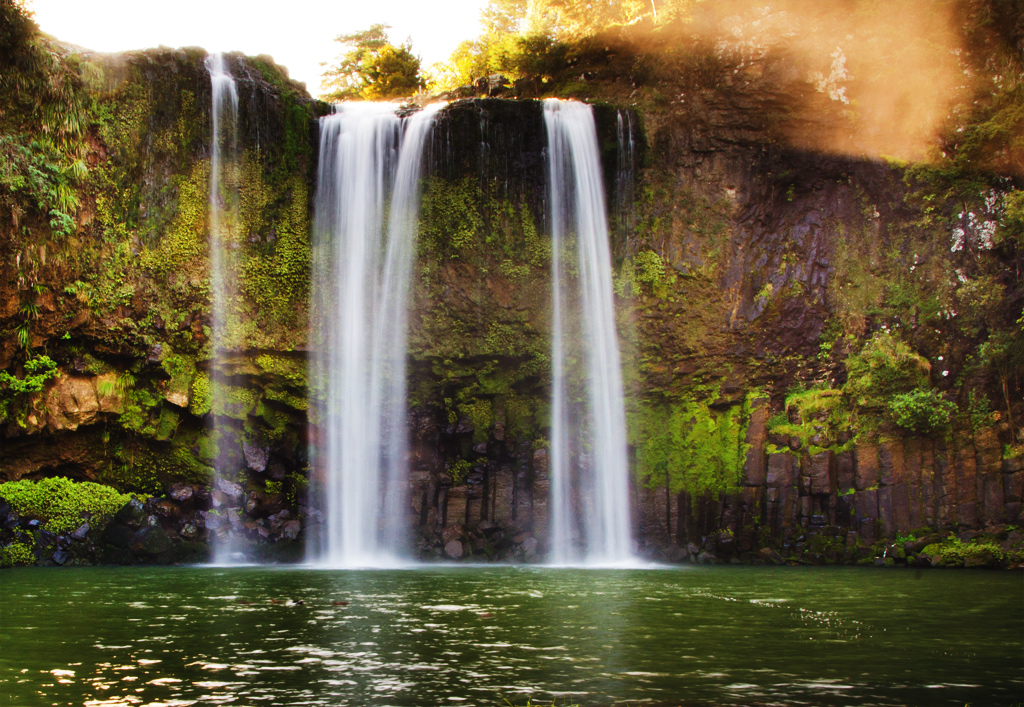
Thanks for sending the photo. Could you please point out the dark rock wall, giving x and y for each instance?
(742, 267)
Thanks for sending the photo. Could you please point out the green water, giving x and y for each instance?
(478, 636)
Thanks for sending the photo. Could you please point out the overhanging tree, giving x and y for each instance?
(372, 68)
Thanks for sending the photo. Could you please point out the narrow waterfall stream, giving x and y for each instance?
(223, 225)
(590, 520)
(366, 208)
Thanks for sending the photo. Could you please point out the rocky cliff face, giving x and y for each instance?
(775, 304)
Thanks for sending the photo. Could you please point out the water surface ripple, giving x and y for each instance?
(477, 636)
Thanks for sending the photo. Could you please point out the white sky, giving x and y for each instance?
(299, 34)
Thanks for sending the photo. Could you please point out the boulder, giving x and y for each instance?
(291, 530)
(213, 521)
(131, 513)
(231, 491)
(182, 493)
(117, 535)
(80, 532)
(149, 541)
(190, 531)
(453, 549)
(255, 457)
(530, 547)
(259, 504)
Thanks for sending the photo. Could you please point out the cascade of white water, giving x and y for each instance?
(366, 209)
(625, 178)
(590, 521)
(223, 221)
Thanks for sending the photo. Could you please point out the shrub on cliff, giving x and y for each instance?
(62, 502)
(886, 366)
(14, 391)
(922, 410)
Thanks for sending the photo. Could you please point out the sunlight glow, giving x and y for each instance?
(298, 34)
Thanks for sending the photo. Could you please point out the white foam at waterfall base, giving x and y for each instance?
(223, 220)
(589, 474)
(366, 210)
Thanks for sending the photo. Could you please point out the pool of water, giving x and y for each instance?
(483, 635)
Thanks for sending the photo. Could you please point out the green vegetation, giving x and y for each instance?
(688, 446)
(64, 503)
(885, 366)
(450, 220)
(817, 417)
(459, 470)
(16, 554)
(542, 40)
(922, 410)
(373, 68)
(16, 394)
(954, 552)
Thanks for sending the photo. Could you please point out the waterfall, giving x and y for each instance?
(625, 178)
(590, 521)
(365, 213)
(223, 227)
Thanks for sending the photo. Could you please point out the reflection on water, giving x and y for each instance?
(477, 636)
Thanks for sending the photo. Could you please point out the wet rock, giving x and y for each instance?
(201, 498)
(182, 493)
(255, 457)
(131, 513)
(231, 491)
(276, 521)
(820, 473)
(865, 467)
(80, 533)
(44, 540)
(291, 530)
(60, 557)
(453, 549)
(117, 535)
(178, 398)
(770, 556)
(163, 508)
(754, 468)
(9, 520)
(530, 547)
(149, 541)
(452, 532)
(781, 471)
(540, 461)
(276, 470)
(213, 521)
(190, 531)
(261, 505)
(676, 554)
